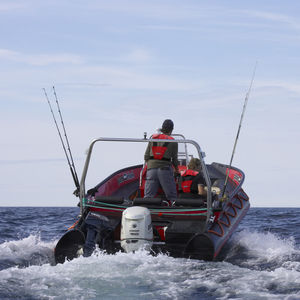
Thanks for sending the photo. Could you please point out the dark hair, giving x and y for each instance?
(167, 126)
(194, 164)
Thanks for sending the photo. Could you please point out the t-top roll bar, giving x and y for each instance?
(145, 140)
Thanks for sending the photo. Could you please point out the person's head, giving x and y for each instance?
(194, 164)
(167, 126)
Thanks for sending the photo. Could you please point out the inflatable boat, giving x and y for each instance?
(124, 220)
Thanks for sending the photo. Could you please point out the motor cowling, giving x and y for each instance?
(136, 229)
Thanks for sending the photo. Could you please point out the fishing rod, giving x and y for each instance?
(238, 132)
(75, 177)
(72, 167)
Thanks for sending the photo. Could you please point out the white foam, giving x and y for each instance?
(142, 276)
(266, 246)
(24, 249)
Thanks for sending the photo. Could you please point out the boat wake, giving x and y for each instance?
(256, 266)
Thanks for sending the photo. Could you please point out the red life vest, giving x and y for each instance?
(187, 180)
(159, 151)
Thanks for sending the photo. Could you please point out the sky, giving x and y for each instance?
(121, 67)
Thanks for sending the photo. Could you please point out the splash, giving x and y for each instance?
(120, 276)
(143, 276)
(27, 251)
(262, 250)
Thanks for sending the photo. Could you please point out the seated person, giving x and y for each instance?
(192, 183)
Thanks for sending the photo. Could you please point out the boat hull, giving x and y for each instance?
(180, 231)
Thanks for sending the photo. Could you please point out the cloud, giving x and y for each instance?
(8, 6)
(175, 28)
(30, 161)
(40, 59)
(139, 56)
(278, 18)
(146, 9)
(287, 86)
(117, 77)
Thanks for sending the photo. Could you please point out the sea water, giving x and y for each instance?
(261, 261)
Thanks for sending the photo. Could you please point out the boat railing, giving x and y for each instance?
(185, 152)
(145, 140)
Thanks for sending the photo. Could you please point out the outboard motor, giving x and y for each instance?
(136, 229)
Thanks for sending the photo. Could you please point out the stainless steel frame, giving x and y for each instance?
(185, 153)
(145, 140)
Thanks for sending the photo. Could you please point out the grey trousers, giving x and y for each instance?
(163, 177)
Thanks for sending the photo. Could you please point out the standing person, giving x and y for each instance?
(192, 182)
(161, 157)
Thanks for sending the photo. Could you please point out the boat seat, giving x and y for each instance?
(196, 202)
(110, 199)
(148, 201)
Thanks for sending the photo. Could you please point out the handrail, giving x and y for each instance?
(185, 147)
(135, 140)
